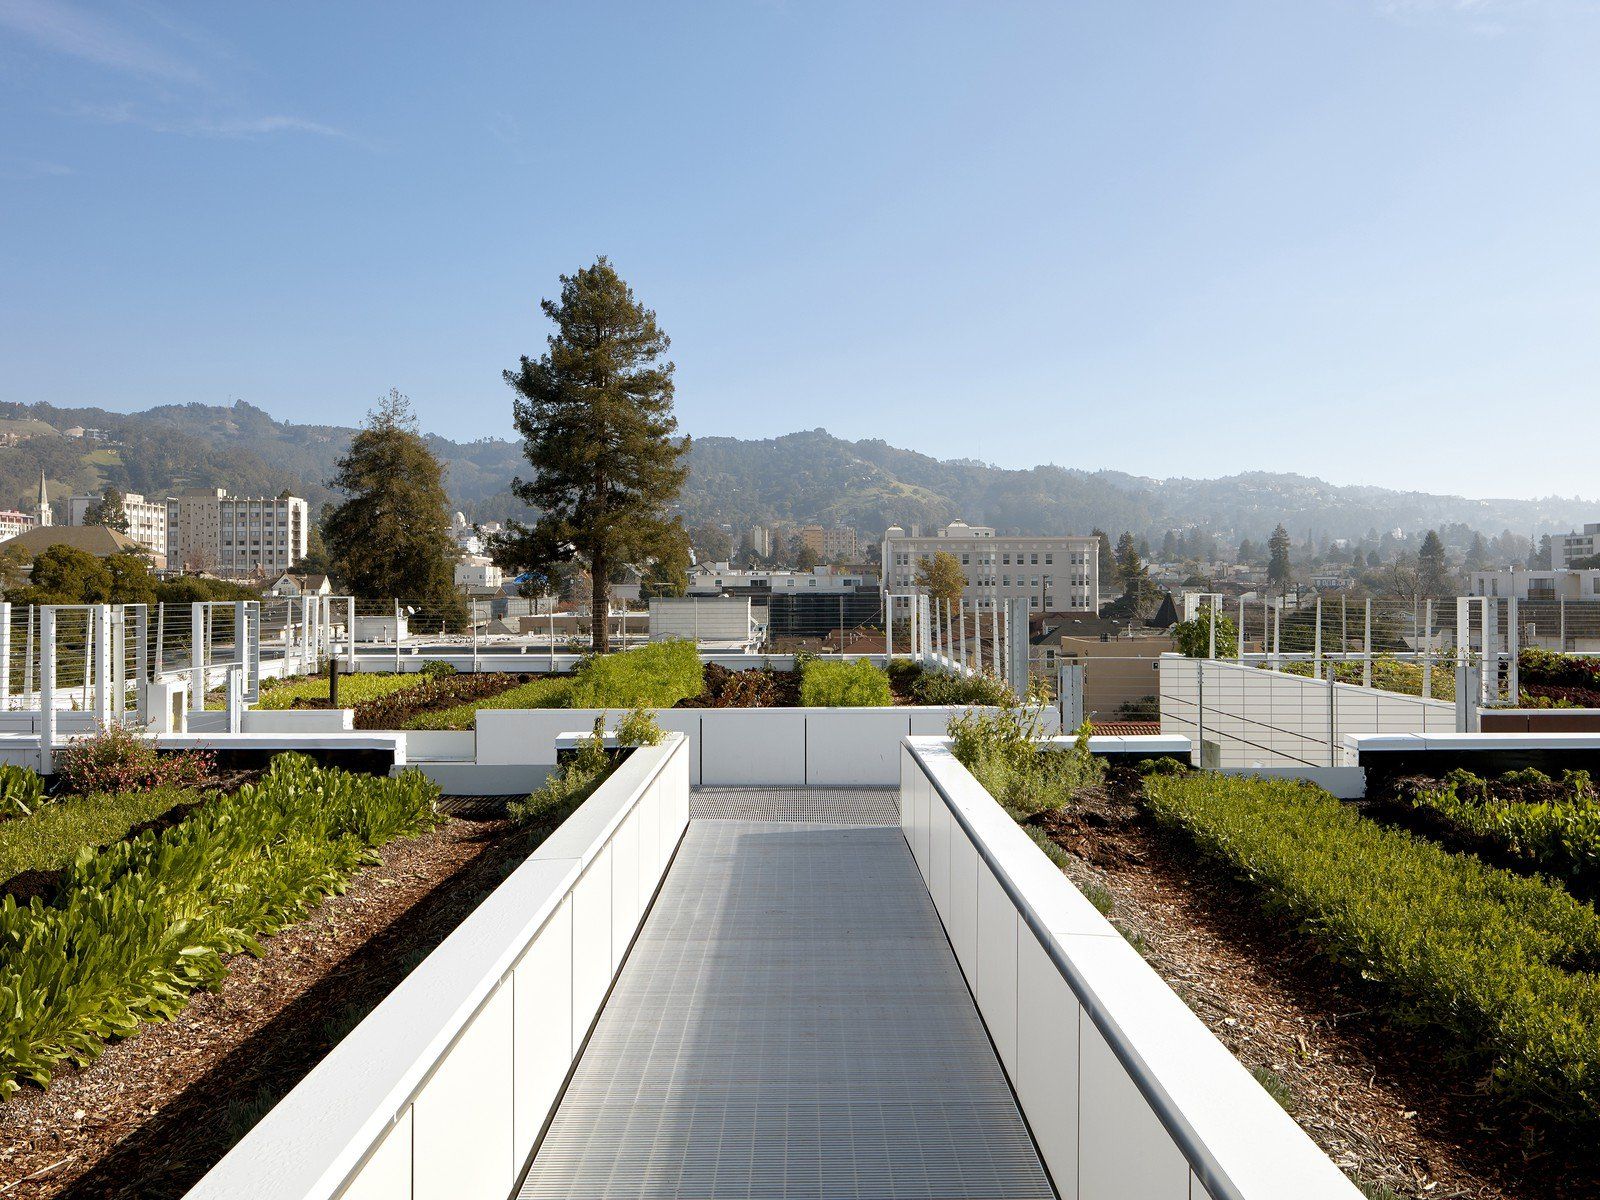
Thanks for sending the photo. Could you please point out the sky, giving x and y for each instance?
(1358, 239)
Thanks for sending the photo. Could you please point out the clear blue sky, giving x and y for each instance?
(1356, 239)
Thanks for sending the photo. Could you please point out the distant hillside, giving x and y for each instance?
(809, 476)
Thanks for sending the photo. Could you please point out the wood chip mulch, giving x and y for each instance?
(155, 1111)
(1382, 1101)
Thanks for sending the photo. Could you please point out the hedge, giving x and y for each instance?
(856, 684)
(656, 676)
(353, 689)
(1501, 963)
(138, 926)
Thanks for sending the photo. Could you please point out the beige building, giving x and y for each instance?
(1054, 574)
(238, 537)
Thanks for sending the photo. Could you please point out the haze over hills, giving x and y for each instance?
(805, 476)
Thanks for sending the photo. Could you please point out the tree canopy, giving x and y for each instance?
(943, 579)
(391, 537)
(595, 415)
(109, 511)
(1280, 572)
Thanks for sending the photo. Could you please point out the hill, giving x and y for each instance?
(807, 476)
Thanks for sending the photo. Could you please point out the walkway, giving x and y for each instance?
(791, 1023)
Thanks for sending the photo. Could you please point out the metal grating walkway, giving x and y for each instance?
(831, 806)
(790, 1024)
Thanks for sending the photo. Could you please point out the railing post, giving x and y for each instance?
(1427, 649)
(5, 654)
(197, 657)
(47, 689)
(350, 633)
(397, 637)
(1513, 650)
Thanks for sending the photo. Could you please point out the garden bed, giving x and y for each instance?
(1379, 1096)
(154, 1111)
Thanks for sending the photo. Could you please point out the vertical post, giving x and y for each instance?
(197, 657)
(350, 633)
(1366, 648)
(1238, 645)
(552, 639)
(141, 655)
(27, 663)
(1211, 648)
(397, 637)
(474, 620)
(119, 661)
(1427, 649)
(1277, 635)
(1563, 610)
(161, 634)
(1197, 756)
(977, 637)
(994, 628)
(1333, 717)
(1316, 645)
(1513, 651)
(961, 618)
(1017, 644)
(5, 654)
(47, 688)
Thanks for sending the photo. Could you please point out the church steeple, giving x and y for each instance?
(45, 517)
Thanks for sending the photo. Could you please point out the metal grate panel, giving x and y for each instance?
(791, 1023)
(831, 806)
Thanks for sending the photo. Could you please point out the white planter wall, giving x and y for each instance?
(441, 1092)
(1128, 1094)
(740, 747)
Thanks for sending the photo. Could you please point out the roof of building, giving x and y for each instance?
(91, 539)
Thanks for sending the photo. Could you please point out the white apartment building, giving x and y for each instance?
(713, 579)
(476, 573)
(236, 536)
(1569, 546)
(147, 519)
(1054, 574)
(1538, 585)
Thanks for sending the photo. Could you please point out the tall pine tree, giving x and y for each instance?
(595, 415)
(391, 538)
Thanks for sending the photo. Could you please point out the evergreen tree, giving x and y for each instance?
(109, 511)
(1170, 547)
(1280, 572)
(1246, 553)
(595, 415)
(1433, 577)
(1107, 567)
(391, 538)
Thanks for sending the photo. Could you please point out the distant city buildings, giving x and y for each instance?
(14, 521)
(236, 536)
(720, 578)
(1054, 574)
(1556, 584)
(477, 574)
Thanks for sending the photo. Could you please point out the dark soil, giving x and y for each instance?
(154, 1112)
(1378, 1097)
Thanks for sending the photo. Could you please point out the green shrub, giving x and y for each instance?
(939, 689)
(658, 675)
(1552, 825)
(434, 669)
(141, 924)
(568, 786)
(1501, 964)
(856, 684)
(52, 837)
(1005, 752)
(639, 728)
(21, 790)
(119, 758)
(353, 689)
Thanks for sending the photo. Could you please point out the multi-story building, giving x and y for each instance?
(719, 578)
(1054, 574)
(147, 519)
(478, 574)
(1571, 546)
(236, 536)
(839, 544)
(1557, 584)
(13, 522)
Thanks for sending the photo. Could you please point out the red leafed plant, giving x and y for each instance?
(117, 758)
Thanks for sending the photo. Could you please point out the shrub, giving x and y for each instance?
(639, 728)
(658, 675)
(1552, 825)
(1006, 753)
(754, 688)
(21, 790)
(140, 925)
(1501, 964)
(118, 758)
(856, 684)
(568, 786)
(984, 688)
(435, 669)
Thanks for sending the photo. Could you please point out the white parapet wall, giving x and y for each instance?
(1127, 1093)
(739, 747)
(442, 1091)
(1239, 715)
